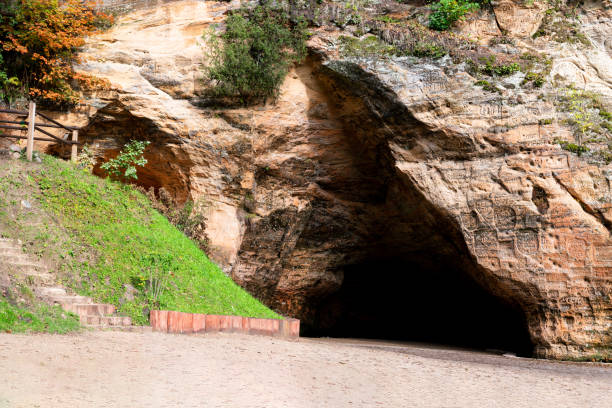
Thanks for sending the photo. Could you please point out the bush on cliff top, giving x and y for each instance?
(252, 57)
(446, 12)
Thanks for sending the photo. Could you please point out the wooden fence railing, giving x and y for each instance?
(28, 123)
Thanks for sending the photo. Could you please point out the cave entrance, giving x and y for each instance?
(421, 298)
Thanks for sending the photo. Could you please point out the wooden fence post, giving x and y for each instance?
(31, 129)
(73, 153)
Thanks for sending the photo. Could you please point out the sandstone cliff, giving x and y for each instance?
(370, 157)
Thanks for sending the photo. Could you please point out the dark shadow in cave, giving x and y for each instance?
(432, 302)
(408, 272)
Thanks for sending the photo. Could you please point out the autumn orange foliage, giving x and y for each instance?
(39, 40)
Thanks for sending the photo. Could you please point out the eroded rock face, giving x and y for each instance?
(362, 161)
(519, 18)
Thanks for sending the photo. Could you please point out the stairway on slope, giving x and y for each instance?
(93, 315)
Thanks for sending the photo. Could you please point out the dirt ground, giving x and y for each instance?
(116, 369)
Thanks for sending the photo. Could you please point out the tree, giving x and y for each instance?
(252, 57)
(39, 42)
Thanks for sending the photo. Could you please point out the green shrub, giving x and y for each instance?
(370, 46)
(572, 147)
(509, 69)
(124, 165)
(487, 86)
(373, 47)
(428, 49)
(446, 12)
(387, 19)
(9, 86)
(491, 68)
(253, 56)
(605, 155)
(537, 79)
(488, 66)
(605, 114)
(590, 122)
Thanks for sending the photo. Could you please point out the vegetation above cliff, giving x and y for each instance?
(39, 40)
(252, 57)
(446, 12)
(104, 240)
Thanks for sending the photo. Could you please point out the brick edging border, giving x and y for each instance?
(180, 322)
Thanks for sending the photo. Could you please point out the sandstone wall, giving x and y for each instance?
(119, 7)
(364, 158)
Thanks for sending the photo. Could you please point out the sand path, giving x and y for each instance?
(115, 369)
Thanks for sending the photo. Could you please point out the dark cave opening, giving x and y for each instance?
(430, 301)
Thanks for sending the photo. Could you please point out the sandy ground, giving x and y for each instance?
(115, 369)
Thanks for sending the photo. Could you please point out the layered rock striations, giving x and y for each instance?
(365, 159)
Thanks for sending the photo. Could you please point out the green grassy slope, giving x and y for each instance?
(105, 241)
(36, 319)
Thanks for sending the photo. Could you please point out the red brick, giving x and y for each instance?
(294, 330)
(276, 326)
(284, 328)
(225, 323)
(178, 322)
(153, 319)
(174, 322)
(245, 325)
(253, 325)
(236, 324)
(212, 323)
(199, 323)
(273, 327)
(161, 321)
(263, 327)
(186, 323)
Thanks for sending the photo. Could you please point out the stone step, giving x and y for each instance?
(37, 278)
(89, 309)
(7, 247)
(25, 265)
(11, 241)
(50, 291)
(10, 251)
(68, 299)
(132, 329)
(106, 321)
(13, 257)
